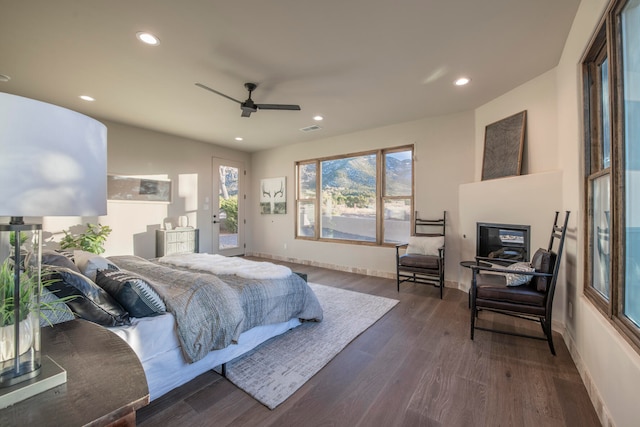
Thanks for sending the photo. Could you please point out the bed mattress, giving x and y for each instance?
(162, 359)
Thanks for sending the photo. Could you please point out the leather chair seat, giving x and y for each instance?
(421, 261)
(492, 292)
(493, 286)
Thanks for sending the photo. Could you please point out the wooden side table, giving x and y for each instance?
(105, 381)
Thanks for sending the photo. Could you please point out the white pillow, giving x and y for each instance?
(425, 245)
(519, 279)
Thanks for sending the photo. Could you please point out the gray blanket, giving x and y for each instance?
(212, 311)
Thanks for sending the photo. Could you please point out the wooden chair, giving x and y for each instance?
(421, 260)
(531, 300)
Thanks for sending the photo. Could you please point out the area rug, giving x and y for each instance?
(277, 368)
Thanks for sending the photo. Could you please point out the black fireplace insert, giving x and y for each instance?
(504, 241)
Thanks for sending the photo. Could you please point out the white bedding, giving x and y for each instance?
(154, 341)
(221, 265)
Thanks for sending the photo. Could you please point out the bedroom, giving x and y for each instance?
(448, 146)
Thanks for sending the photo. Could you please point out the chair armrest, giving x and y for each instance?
(398, 247)
(482, 268)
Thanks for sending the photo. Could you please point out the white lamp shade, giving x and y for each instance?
(53, 161)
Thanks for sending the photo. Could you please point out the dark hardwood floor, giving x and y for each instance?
(415, 367)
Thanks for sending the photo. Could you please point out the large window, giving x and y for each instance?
(611, 74)
(364, 197)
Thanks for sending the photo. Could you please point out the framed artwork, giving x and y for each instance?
(138, 189)
(273, 195)
(503, 147)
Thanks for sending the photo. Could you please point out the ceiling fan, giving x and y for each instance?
(249, 106)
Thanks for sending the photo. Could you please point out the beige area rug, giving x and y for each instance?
(277, 368)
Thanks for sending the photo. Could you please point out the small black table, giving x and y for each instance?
(105, 381)
(469, 264)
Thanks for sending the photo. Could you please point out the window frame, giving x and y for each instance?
(607, 40)
(380, 195)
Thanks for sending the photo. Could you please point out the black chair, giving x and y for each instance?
(421, 260)
(532, 300)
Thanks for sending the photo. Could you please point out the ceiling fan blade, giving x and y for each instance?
(217, 93)
(278, 107)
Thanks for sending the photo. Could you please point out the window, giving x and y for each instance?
(611, 75)
(364, 197)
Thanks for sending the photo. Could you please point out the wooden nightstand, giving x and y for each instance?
(105, 381)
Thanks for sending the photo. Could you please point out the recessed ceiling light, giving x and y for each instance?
(87, 98)
(4, 78)
(148, 38)
(318, 118)
(239, 138)
(462, 81)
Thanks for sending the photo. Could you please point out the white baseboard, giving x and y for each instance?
(592, 389)
(337, 267)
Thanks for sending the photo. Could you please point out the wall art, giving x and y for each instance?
(273, 196)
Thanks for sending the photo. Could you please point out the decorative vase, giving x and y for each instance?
(183, 221)
(7, 337)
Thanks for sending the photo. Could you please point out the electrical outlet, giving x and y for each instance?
(570, 310)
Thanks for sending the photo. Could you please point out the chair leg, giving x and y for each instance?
(546, 328)
(473, 320)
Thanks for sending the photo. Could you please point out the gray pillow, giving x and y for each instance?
(89, 263)
(514, 279)
(58, 259)
(52, 311)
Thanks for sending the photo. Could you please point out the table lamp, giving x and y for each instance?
(52, 163)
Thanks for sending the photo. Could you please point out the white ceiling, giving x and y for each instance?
(360, 63)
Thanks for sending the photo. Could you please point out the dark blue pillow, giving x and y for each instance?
(134, 293)
(90, 302)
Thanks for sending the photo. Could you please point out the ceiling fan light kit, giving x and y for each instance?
(248, 106)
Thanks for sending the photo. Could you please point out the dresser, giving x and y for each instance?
(177, 241)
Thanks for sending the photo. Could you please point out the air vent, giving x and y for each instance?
(311, 128)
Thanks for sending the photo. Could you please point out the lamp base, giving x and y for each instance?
(51, 375)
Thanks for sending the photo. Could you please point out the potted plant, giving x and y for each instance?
(7, 311)
(92, 240)
(12, 238)
(28, 320)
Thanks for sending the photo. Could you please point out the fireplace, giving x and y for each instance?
(506, 241)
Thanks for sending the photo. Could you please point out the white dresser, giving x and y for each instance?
(177, 241)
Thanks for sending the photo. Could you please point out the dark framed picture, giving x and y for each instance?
(504, 146)
(127, 188)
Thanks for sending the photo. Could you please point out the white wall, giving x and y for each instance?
(609, 365)
(444, 150)
(136, 151)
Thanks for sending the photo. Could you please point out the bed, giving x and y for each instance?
(182, 315)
